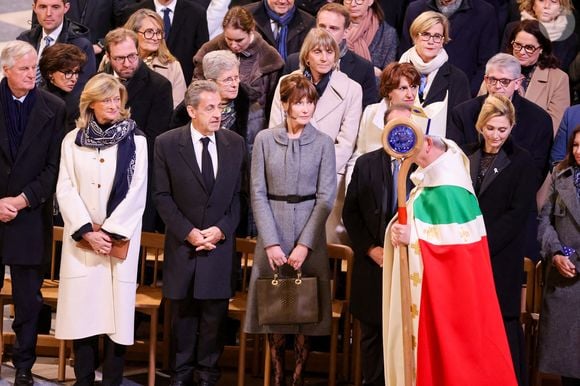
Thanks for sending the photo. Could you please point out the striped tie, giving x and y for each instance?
(47, 43)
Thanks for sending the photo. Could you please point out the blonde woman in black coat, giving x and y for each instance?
(504, 180)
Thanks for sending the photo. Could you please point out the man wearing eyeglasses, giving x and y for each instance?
(532, 131)
(53, 27)
(150, 97)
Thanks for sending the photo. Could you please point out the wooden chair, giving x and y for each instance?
(527, 304)
(49, 292)
(535, 323)
(150, 296)
(237, 306)
(341, 258)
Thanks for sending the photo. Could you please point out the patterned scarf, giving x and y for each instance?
(321, 85)
(283, 22)
(122, 134)
(228, 115)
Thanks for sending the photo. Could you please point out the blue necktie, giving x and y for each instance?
(166, 21)
(396, 166)
(47, 42)
(207, 166)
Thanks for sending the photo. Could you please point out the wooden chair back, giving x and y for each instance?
(152, 245)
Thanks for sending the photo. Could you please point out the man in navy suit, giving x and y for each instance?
(198, 173)
(31, 130)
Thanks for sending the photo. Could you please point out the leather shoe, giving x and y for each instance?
(23, 377)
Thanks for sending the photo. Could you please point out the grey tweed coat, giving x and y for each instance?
(560, 314)
(283, 166)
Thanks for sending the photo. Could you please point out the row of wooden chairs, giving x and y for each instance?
(149, 301)
(530, 316)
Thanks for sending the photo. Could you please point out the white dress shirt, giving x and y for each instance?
(160, 7)
(196, 137)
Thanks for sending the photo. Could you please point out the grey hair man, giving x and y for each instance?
(32, 130)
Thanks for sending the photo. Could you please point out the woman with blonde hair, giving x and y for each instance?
(443, 86)
(148, 26)
(337, 112)
(504, 182)
(101, 191)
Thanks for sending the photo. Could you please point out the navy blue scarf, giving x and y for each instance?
(16, 115)
(283, 22)
(122, 134)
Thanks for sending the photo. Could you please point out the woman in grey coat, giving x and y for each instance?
(293, 188)
(559, 234)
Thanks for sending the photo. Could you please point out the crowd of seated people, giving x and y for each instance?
(466, 69)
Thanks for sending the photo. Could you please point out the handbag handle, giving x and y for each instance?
(297, 281)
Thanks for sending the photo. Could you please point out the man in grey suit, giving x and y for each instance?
(198, 173)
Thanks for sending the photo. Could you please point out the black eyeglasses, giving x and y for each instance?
(121, 59)
(150, 33)
(528, 47)
(504, 81)
(70, 74)
(426, 36)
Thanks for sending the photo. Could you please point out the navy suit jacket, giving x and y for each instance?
(366, 213)
(26, 240)
(183, 203)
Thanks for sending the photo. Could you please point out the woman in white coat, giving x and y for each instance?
(102, 180)
(337, 112)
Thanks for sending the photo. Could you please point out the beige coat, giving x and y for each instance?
(173, 72)
(97, 293)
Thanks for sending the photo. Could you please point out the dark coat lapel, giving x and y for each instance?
(179, 18)
(567, 193)
(188, 154)
(223, 146)
(500, 162)
(263, 24)
(439, 86)
(4, 138)
(36, 123)
(138, 81)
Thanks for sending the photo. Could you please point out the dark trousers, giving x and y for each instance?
(371, 347)
(198, 331)
(515, 337)
(570, 381)
(26, 283)
(87, 361)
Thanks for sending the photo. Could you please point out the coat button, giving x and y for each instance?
(98, 185)
(102, 160)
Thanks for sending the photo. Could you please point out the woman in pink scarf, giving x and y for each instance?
(369, 35)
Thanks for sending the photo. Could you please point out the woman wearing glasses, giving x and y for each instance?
(544, 83)
(60, 66)
(557, 20)
(369, 35)
(443, 86)
(148, 26)
(260, 63)
(337, 112)
(504, 184)
(101, 189)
